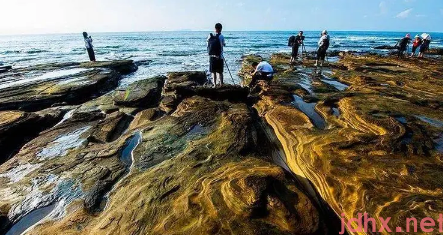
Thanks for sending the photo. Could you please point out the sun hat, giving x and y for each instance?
(408, 35)
(417, 36)
(325, 31)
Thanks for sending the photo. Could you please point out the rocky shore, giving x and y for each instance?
(171, 155)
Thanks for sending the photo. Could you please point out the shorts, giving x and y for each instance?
(321, 54)
(423, 49)
(414, 49)
(295, 51)
(216, 65)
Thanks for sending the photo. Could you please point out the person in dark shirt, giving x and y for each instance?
(89, 46)
(403, 45)
(295, 44)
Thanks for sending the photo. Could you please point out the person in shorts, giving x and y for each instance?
(323, 45)
(216, 43)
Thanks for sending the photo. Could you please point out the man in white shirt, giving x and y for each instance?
(323, 45)
(263, 71)
(215, 49)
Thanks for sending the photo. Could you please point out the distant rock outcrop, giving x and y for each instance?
(46, 85)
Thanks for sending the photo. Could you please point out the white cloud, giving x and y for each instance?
(383, 7)
(240, 4)
(421, 16)
(404, 14)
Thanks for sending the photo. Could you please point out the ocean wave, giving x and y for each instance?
(178, 53)
(29, 51)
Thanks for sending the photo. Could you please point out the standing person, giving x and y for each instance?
(323, 45)
(262, 71)
(89, 46)
(403, 45)
(416, 44)
(215, 49)
(425, 45)
(295, 42)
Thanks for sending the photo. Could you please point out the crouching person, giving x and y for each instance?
(263, 71)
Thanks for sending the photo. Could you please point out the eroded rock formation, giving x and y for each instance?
(378, 151)
(198, 168)
(43, 86)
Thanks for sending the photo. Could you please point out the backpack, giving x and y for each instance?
(291, 41)
(326, 44)
(214, 45)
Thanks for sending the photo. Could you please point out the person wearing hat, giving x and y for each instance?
(323, 45)
(425, 45)
(403, 45)
(416, 44)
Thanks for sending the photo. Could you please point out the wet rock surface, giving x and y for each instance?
(43, 86)
(178, 156)
(380, 154)
(142, 94)
(16, 128)
(129, 167)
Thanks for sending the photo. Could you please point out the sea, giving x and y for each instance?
(158, 53)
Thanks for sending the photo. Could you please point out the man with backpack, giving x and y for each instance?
(215, 50)
(323, 45)
(295, 42)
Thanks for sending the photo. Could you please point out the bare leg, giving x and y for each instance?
(214, 78)
(221, 78)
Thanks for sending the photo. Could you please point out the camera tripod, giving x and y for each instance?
(303, 50)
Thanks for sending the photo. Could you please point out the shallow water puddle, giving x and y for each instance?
(196, 131)
(430, 121)
(336, 112)
(61, 197)
(67, 116)
(439, 144)
(62, 145)
(127, 153)
(31, 219)
(127, 158)
(336, 84)
(309, 110)
(402, 120)
(46, 76)
(306, 83)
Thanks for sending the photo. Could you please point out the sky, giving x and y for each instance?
(72, 16)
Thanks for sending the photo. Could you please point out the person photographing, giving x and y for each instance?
(402, 45)
(216, 43)
(262, 71)
(89, 46)
(295, 42)
(323, 45)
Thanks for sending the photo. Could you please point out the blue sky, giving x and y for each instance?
(55, 16)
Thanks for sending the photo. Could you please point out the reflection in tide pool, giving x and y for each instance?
(309, 110)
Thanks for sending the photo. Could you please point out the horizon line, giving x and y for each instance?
(210, 30)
